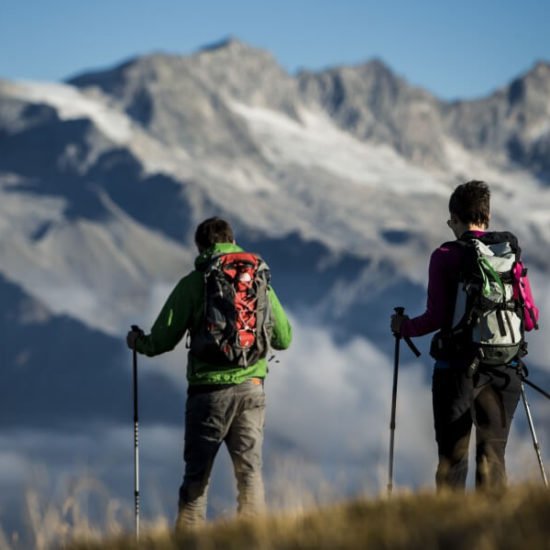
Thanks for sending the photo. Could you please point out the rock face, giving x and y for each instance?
(182, 100)
(375, 105)
(513, 123)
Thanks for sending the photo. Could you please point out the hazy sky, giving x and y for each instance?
(455, 49)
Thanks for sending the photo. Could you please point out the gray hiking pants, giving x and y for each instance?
(234, 415)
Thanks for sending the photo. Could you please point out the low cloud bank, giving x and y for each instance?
(327, 436)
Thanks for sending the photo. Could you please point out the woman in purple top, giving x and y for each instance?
(487, 399)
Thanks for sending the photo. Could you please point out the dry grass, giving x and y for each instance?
(518, 519)
(56, 522)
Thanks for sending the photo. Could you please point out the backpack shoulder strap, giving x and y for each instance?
(450, 244)
(208, 264)
(469, 255)
(463, 244)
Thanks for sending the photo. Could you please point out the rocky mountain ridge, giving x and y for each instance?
(368, 100)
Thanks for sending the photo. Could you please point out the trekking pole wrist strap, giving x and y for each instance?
(412, 347)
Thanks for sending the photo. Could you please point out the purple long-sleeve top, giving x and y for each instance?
(444, 270)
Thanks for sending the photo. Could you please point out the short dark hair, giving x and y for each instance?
(212, 231)
(470, 203)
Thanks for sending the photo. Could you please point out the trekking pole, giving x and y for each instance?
(400, 311)
(534, 435)
(523, 373)
(135, 328)
(535, 387)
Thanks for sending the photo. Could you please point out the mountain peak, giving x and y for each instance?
(229, 42)
(378, 64)
(233, 50)
(541, 69)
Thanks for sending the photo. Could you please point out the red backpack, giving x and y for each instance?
(236, 330)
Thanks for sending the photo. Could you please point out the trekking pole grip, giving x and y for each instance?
(401, 311)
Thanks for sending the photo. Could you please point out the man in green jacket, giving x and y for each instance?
(225, 402)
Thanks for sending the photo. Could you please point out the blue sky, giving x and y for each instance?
(455, 49)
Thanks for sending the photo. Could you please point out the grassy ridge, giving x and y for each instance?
(518, 519)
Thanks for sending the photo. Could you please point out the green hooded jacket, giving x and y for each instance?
(184, 311)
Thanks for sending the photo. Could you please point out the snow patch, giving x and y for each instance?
(71, 104)
(317, 142)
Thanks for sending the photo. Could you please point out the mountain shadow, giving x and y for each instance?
(57, 373)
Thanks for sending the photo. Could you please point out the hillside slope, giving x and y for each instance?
(514, 521)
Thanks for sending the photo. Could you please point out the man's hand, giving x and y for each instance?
(396, 322)
(133, 336)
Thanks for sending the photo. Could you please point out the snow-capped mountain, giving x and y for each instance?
(103, 179)
(339, 178)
